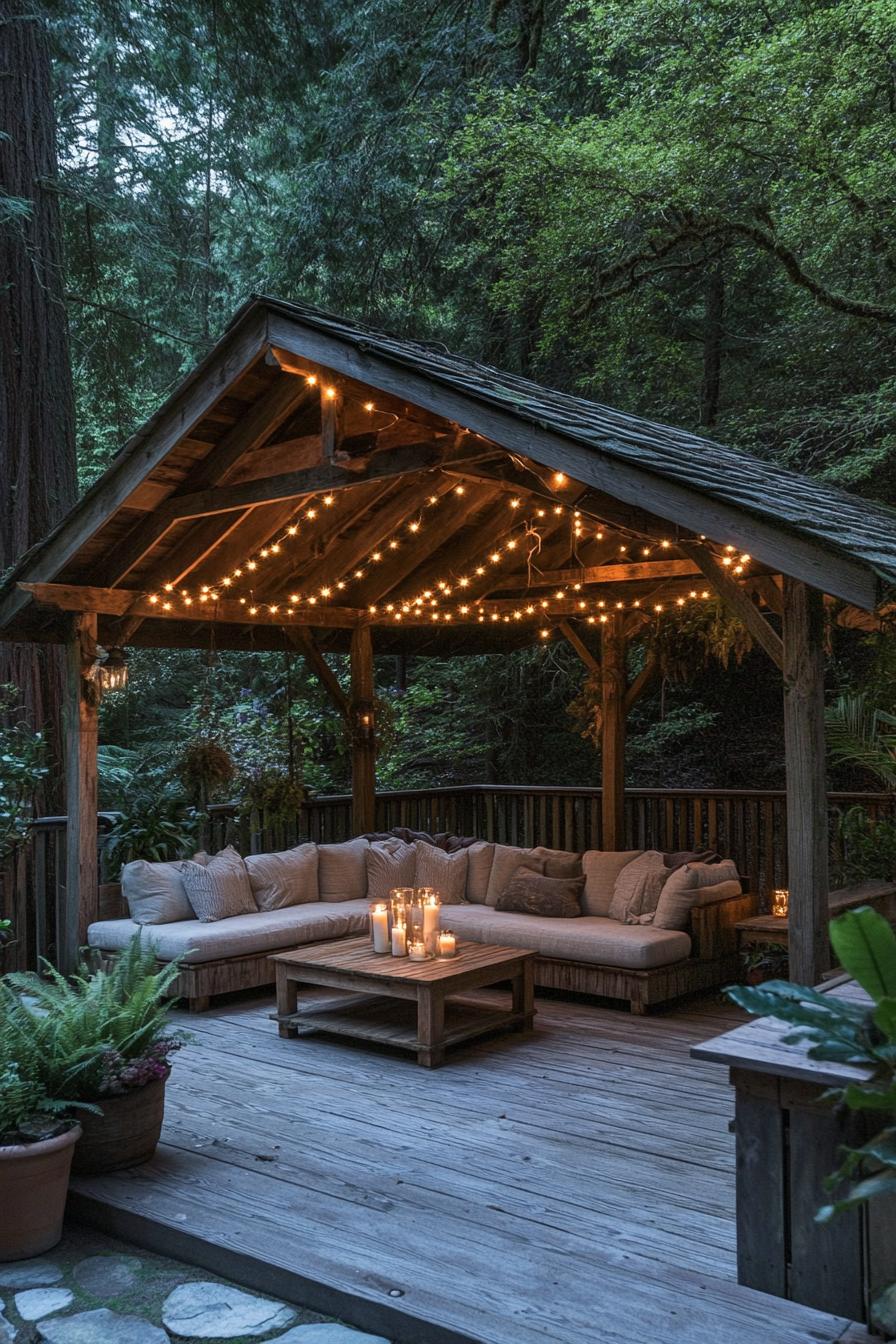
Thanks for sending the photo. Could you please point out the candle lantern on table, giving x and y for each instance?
(399, 940)
(379, 927)
(447, 943)
(417, 950)
(399, 902)
(780, 902)
(431, 908)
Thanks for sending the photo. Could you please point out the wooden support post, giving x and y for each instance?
(81, 867)
(363, 730)
(332, 418)
(613, 689)
(807, 810)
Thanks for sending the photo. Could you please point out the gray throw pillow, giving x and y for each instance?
(637, 888)
(283, 879)
(342, 871)
(447, 873)
(601, 868)
(220, 889)
(390, 863)
(531, 893)
(682, 891)
(155, 891)
(558, 862)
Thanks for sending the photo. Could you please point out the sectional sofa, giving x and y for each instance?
(317, 893)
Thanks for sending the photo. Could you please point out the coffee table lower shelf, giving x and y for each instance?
(388, 1021)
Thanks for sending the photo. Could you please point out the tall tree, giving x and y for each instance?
(37, 441)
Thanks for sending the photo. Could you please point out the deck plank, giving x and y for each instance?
(570, 1186)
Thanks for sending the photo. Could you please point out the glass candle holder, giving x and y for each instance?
(780, 902)
(431, 907)
(417, 950)
(399, 940)
(447, 943)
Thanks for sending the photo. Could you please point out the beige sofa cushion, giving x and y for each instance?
(601, 868)
(342, 871)
(447, 873)
(682, 889)
(480, 858)
(592, 939)
(155, 891)
(220, 888)
(286, 878)
(390, 863)
(637, 887)
(508, 858)
(263, 931)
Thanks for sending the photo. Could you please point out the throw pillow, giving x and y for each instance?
(480, 858)
(342, 871)
(155, 891)
(390, 863)
(286, 878)
(505, 863)
(601, 868)
(682, 891)
(447, 873)
(220, 889)
(531, 893)
(637, 888)
(559, 862)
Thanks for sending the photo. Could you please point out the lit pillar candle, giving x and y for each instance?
(399, 940)
(431, 912)
(447, 943)
(417, 951)
(379, 926)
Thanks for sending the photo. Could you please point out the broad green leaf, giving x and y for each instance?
(866, 946)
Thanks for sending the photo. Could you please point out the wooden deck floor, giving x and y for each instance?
(572, 1186)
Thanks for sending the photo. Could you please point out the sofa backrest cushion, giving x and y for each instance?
(508, 858)
(155, 891)
(447, 873)
(219, 889)
(390, 863)
(480, 858)
(342, 871)
(286, 878)
(601, 868)
(558, 862)
(682, 891)
(637, 888)
(529, 893)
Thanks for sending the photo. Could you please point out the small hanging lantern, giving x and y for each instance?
(364, 722)
(780, 902)
(113, 669)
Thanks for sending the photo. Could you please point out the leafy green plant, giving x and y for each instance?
(850, 1033)
(205, 769)
(273, 793)
(104, 1032)
(863, 735)
(866, 847)
(31, 1105)
(23, 766)
(156, 826)
(764, 960)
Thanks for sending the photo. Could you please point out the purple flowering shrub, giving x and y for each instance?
(119, 1074)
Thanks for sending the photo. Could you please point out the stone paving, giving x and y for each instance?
(92, 1289)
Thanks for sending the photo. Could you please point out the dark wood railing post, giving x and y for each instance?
(363, 732)
(613, 688)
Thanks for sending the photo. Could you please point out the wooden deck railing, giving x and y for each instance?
(746, 825)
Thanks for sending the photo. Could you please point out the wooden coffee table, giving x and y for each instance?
(395, 1001)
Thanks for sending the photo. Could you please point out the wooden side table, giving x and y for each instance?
(762, 929)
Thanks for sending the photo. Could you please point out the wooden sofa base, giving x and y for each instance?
(199, 983)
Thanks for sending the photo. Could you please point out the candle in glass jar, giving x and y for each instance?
(447, 943)
(431, 912)
(399, 940)
(417, 951)
(379, 928)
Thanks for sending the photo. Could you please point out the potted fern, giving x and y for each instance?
(110, 1027)
(38, 1133)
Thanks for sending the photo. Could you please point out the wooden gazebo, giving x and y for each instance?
(316, 485)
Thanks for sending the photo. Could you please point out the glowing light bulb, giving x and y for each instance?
(559, 478)
(368, 405)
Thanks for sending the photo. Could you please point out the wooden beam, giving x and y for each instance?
(332, 423)
(248, 433)
(782, 550)
(807, 810)
(739, 602)
(81, 906)
(403, 461)
(649, 570)
(612, 737)
(573, 637)
(126, 602)
(304, 641)
(641, 684)
(363, 734)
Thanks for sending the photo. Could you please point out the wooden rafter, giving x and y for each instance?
(305, 642)
(740, 602)
(124, 602)
(572, 636)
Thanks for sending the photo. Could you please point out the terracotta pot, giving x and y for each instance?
(33, 1187)
(126, 1134)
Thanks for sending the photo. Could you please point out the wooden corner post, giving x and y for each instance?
(81, 906)
(362, 726)
(613, 713)
(807, 808)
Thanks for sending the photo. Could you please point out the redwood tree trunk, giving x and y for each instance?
(37, 444)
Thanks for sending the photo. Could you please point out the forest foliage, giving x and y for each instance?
(686, 211)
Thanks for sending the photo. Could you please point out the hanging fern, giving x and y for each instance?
(698, 635)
